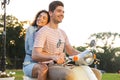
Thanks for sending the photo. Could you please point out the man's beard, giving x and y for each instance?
(57, 22)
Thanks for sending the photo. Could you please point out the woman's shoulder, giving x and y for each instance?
(32, 27)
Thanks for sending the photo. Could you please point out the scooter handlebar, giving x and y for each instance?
(84, 58)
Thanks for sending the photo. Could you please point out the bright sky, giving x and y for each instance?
(82, 17)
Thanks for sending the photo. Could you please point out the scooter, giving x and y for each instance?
(80, 70)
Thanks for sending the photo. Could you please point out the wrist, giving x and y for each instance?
(52, 57)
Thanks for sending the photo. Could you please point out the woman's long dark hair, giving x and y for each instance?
(37, 15)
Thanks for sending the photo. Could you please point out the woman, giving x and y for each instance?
(30, 67)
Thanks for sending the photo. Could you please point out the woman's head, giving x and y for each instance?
(41, 18)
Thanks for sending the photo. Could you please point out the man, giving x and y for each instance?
(50, 43)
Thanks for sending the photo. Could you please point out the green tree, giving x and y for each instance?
(106, 51)
(15, 34)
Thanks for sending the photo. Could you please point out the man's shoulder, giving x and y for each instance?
(62, 31)
(45, 28)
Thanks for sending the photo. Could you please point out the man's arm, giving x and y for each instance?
(70, 50)
(40, 56)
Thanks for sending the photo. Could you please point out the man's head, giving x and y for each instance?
(53, 5)
(56, 11)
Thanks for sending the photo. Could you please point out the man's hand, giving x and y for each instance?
(59, 58)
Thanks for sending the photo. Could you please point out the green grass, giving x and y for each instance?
(18, 75)
(111, 76)
(106, 76)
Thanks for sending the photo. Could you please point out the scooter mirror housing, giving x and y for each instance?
(92, 43)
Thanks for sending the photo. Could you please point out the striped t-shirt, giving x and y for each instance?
(51, 40)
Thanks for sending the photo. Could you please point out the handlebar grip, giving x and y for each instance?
(54, 62)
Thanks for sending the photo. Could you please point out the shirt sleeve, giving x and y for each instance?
(26, 40)
(66, 38)
(29, 39)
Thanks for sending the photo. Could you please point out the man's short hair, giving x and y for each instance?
(54, 4)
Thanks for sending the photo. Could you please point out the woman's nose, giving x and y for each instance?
(39, 18)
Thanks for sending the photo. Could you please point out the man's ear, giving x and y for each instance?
(50, 13)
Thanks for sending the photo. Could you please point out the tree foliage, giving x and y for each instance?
(14, 38)
(106, 51)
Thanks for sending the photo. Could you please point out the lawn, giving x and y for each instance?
(106, 76)
(18, 75)
(111, 76)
